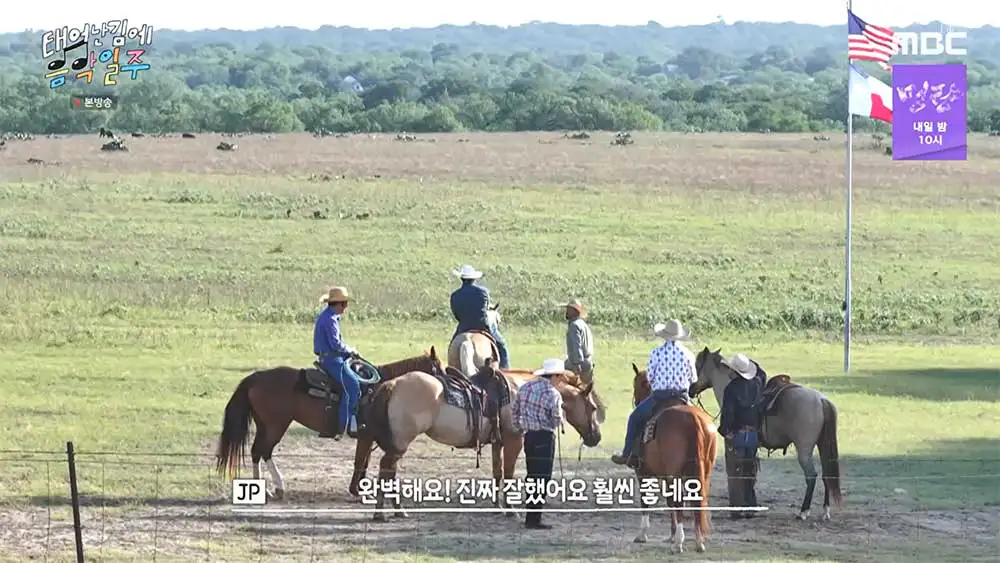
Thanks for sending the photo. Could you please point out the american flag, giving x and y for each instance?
(867, 42)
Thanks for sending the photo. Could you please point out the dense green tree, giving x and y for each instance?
(741, 77)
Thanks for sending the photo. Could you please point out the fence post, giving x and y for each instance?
(74, 495)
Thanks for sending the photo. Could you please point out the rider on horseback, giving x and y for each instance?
(470, 304)
(671, 371)
(741, 421)
(333, 354)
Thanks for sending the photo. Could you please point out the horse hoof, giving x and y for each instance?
(640, 539)
(677, 549)
(279, 494)
(402, 514)
(804, 515)
(826, 515)
(700, 548)
(379, 517)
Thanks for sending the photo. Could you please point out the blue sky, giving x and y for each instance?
(199, 14)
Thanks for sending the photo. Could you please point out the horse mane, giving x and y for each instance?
(409, 364)
(567, 377)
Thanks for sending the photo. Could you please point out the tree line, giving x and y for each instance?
(201, 84)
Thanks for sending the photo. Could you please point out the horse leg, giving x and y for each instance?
(362, 456)
(643, 536)
(273, 435)
(500, 501)
(386, 471)
(806, 462)
(512, 447)
(677, 526)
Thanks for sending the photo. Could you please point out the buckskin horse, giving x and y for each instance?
(678, 444)
(273, 398)
(469, 351)
(793, 414)
(462, 412)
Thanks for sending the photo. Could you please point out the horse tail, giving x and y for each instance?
(235, 428)
(704, 456)
(467, 357)
(829, 454)
(378, 419)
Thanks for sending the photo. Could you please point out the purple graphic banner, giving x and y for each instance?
(929, 112)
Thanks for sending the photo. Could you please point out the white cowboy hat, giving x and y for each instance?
(551, 367)
(335, 295)
(671, 330)
(467, 273)
(742, 365)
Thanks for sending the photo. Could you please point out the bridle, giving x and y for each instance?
(698, 365)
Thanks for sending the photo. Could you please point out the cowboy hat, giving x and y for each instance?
(551, 367)
(467, 273)
(742, 365)
(671, 330)
(575, 304)
(335, 295)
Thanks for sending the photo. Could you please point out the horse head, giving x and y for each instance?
(493, 317)
(708, 364)
(582, 411)
(435, 365)
(640, 385)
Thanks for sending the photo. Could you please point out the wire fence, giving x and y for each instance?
(112, 506)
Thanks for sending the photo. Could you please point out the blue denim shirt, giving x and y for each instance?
(327, 340)
(469, 304)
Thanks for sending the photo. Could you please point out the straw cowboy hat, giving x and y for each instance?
(575, 304)
(742, 365)
(551, 367)
(671, 330)
(335, 295)
(467, 273)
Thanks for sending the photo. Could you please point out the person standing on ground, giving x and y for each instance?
(537, 411)
(740, 423)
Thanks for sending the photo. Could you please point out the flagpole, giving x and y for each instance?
(849, 212)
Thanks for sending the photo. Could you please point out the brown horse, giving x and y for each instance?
(275, 397)
(469, 351)
(423, 403)
(802, 416)
(682, 447)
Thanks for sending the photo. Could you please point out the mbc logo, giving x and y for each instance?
(931, 43)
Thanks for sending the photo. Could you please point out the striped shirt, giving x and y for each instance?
(537, 406)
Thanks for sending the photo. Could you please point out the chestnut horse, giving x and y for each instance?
(275, 397)
(416, 403)
(683, 448)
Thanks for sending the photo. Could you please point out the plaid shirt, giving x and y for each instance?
(537, 406)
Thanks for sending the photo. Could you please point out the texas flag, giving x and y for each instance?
(868, 96)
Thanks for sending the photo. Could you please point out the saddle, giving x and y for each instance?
(649, 431)
(318, 383)
(481, 396)
(774, 388)
(489, 335)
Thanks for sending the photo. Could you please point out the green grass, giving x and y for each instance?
(133, 306)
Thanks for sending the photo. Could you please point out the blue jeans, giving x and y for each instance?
(641, 414)
(337, 368)
(745, 443)
(502, 349)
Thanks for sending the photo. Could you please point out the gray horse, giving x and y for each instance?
(802, 416)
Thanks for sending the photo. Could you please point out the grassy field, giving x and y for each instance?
(140, 288)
